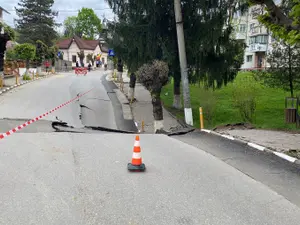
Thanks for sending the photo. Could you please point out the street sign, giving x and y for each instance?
(111, 52)
(59, 54)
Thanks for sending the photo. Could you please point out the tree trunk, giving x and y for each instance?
(27, 66)
(131, 93)
(157, 111)
(177, 100)
(290, 72)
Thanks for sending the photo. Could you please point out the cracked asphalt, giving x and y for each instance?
(98, 108)
(52, 178)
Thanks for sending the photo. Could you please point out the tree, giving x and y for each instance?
(8, 34)
(86, 25)
(52, 55)
(36, 21)
(146, 30)
(282, 20)
(154, 76)
(91, 58)
(11, 54)
(284, 60)
(40, 54)
(70, 27)
(25, 52)
(81, 57)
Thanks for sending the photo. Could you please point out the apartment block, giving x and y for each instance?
(257, 38)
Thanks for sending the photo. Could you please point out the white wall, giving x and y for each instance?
(68, 53)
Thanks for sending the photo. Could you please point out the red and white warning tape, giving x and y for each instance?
(40, 117)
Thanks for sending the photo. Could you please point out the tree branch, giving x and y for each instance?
(277, 16)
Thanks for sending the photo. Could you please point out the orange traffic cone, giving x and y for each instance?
(136, 162)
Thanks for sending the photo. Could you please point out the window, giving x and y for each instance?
(243, 28)
(259, 39)
(74, 58)
(249, 58)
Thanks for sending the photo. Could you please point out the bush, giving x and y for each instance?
(26, 77)
(245, 99)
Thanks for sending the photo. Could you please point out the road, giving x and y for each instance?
(276, 173)
(68, 178)
(98, 108)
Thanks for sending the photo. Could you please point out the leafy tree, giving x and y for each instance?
(70, 27)
(91, 58)
(85, 25)
(81, 57)
(11, 54)
(41, 52)
(154, 76)
(88, 23)
(283, 72)
(25, 52)
(9, 34)
(36, 21)
(52, 54)
(282, 20)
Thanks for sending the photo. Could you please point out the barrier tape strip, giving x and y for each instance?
(41, 116)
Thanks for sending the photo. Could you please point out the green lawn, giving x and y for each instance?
(269, 112)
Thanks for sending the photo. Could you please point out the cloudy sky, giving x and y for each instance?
(65, 8)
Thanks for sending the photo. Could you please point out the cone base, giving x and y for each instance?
(134, 168)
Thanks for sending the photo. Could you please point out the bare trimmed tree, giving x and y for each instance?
(153, 77)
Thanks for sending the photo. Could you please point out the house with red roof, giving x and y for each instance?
(71, 46)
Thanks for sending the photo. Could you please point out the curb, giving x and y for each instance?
(255, 146)
(126, 108)
(20, 84)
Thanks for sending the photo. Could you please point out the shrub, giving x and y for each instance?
(26, 77)
(208, 104)
(245, 99)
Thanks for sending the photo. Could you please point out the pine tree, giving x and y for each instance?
(36, 21)
(146, 30)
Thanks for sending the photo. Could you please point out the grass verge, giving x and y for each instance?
(270, 104)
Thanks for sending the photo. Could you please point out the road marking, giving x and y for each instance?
(261, 148)
(41, 116)
(207, 131)
(227, 136)
(286, 157)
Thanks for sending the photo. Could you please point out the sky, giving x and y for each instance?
(65, 8)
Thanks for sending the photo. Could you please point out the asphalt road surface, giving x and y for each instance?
(276, 173)
(67, 178)
(98, 108)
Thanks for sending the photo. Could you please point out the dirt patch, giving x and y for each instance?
(294, 153)
(236, 126)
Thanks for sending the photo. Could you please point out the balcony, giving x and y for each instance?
(257, 47)
(240, 36)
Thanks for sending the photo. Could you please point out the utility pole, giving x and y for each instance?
(188, 115)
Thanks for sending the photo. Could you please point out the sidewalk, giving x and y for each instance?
(10, 82)
(276, 140)
(142, 109)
